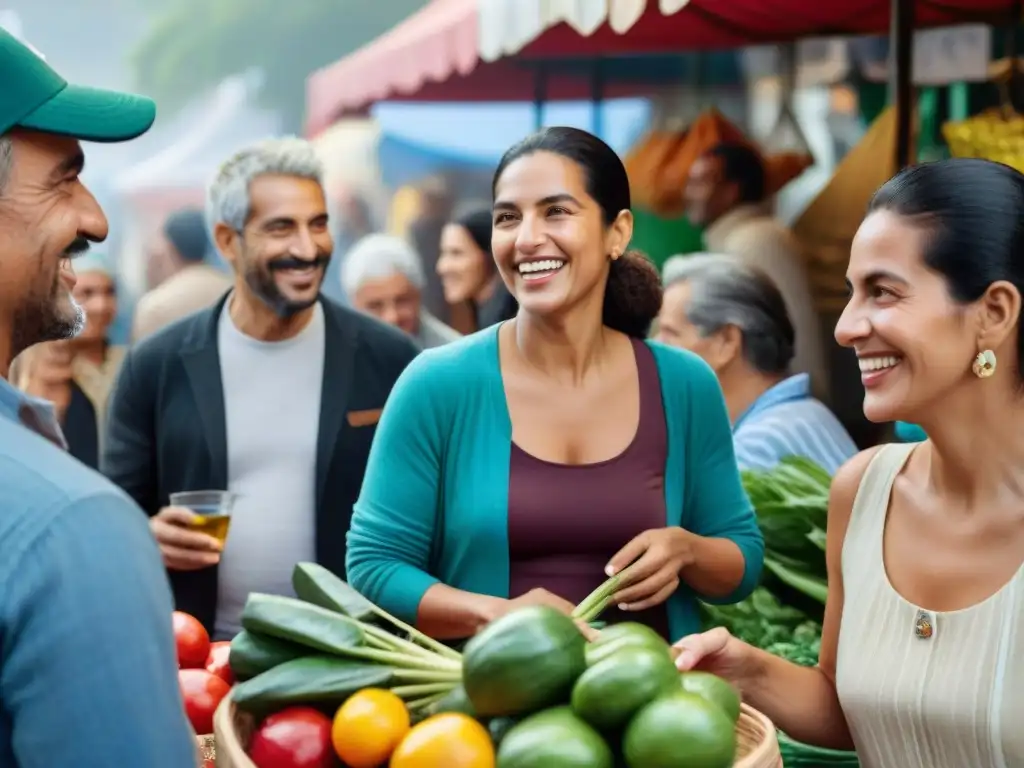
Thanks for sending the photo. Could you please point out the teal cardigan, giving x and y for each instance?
(434, 500)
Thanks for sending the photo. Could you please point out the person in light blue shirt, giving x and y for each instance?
(88, 676)
(734, 316)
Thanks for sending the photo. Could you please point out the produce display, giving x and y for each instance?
(528, 691)
(783, 616)
(204, 677)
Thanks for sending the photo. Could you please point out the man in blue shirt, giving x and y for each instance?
(734, 316)
(87, 664)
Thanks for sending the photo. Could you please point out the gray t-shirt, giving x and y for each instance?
(272, 411)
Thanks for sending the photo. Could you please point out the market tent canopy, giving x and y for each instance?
(432, 56)
(544, 28)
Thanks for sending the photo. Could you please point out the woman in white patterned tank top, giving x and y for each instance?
(922, 655)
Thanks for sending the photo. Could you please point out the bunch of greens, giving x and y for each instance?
(791, 502)
(764, 622)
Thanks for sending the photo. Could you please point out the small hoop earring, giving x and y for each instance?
(984, 364)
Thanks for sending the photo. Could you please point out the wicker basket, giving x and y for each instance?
(757, 744)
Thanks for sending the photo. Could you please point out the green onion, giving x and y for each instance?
(429, 689)
(597, 602)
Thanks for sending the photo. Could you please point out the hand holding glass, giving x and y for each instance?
(212, 509)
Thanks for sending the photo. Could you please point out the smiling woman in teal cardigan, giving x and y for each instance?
(434, 503)
(506, 470)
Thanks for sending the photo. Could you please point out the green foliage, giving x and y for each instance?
(193, 44)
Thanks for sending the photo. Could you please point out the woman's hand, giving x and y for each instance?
(714, 651)
(655, 559)
(542, 597)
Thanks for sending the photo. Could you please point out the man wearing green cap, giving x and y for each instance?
(87, 662)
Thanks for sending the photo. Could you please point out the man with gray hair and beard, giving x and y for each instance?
(734, 316)
(273, 394)
(87, 668)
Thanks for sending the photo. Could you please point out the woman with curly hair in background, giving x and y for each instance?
(526, 462)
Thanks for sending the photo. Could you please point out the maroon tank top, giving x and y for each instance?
(565, 521)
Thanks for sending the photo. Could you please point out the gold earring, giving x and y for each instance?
(984, 364)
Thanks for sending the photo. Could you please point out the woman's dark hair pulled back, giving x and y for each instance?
(973, 211)
(632, 297)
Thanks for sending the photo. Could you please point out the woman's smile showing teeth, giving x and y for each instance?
(874, 367)
(540, 269)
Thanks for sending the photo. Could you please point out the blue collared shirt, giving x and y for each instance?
(787, 421)
(88, 676)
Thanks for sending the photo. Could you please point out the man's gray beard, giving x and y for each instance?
(52, 328)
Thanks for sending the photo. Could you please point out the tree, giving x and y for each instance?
(192, 45)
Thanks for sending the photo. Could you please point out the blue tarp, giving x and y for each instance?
(418, 140)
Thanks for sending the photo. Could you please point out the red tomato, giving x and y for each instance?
(217, 661)
(297, 737)
(202, 693)
(192, 639)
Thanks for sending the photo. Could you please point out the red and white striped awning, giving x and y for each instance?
(507, 26)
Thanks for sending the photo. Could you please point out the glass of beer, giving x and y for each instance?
(213, 508)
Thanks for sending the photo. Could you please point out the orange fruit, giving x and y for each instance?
(448, 740)
(368, 727)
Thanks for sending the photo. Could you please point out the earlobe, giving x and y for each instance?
(225, 238)
(622, 231)
(1000, 313)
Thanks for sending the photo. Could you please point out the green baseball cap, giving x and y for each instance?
(34, 96)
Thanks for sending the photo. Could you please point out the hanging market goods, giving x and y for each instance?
(645, 163)
(780, 168)
(710, 128)
(995, 134)
(400, 698)
(659, 166)
(828, 224)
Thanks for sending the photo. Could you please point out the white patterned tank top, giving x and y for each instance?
(924, 689)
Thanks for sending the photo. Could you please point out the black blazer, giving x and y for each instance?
(166, 427)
